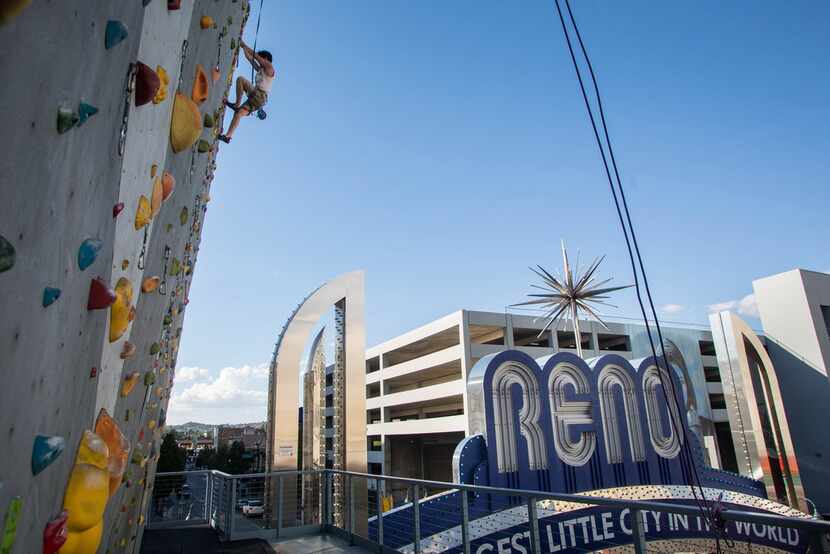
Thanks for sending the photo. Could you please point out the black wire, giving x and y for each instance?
(626, 230)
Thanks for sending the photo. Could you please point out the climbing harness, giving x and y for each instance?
(128, 95)
(260, 113)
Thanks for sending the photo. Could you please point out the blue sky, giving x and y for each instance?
(443, 147)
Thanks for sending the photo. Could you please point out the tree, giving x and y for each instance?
(227, 459)
(171, 459)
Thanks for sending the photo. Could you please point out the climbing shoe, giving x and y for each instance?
(224, 138)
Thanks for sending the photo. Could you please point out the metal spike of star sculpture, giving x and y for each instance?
(566, 297)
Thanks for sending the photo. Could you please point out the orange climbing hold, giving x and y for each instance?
(128, 350)
(118, 445)
(156, 197)
(164, 82)
(120, 310)
(185, 125)
(216, 74)
(150, 284)
(200, 85)
(143, 214)
(206, 22)
(168, 183)
(129, 383)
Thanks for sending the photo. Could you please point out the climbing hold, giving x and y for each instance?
(147, 83)
(206, 22)
(150, 284)
(125, 264)
(45, 450)
(207, 121)
(55, 533)
(86, 496)
(7, 254)
(129, 383)
(216, 74)
(233, 44)
(85, 111)
(93, 372)
(120, 310)
(164, 81)
(153, 170)
(200, 85)
(118, 446)
(168, 227)
(168, 183)
(128, 350)
(183, 216)
(127, 415)
(9, 9)
(168, 319)
(174, 4)
(88, 252)
(149, 378)
(100, 295)
(186, 123)
(151, 424)
(114, 33)
(204, 146)
(156, 197)
(155, 348)
(12, 513)
(50, 295)
(67, 119)
(117, 209)
(143, 215)
(131, 314)
(175, 267)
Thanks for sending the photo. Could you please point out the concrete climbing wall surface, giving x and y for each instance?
(104, 185)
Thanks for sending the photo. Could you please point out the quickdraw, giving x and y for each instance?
(125, 117)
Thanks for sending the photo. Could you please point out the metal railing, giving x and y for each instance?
(420, 516)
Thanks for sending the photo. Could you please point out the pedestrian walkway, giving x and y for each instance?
(203, 540)
(316, 544)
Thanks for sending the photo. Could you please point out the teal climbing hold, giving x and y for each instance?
(7, 255)
(67, 119)
(88, 252)
(50, 294)
(85, 111)
(45, 451)
(115, 33)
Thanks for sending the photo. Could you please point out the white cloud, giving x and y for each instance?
(192, 374)
(672, 308)
(744, 306)
(237, 394)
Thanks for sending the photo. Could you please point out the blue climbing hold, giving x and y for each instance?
(50, 295)
(45, 451)
(85, 111)
(88, 252)
(115, 33)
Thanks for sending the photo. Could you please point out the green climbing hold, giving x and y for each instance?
(233, 44)
(155, 348)
(10, 525)
(7, 253)
(88, 252)
(182, 220)
(208, 121)
(175, 267)
(168, 319)
(85, 111)
(149, 378)
(115, 33)
(169, 227)
(50, 294)
(230, 20)
(67, 119)
(203, 146)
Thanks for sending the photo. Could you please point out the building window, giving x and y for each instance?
(566, 340)
(712, 374)
(373, 364)
(374, 443)
(376, 469)
(329, 379)
(707, 348)
(726, 448)
(329, 443)
(614, 343)
(373, 416)
(717, 401)
(372, 390)
(825, 312)
(329, 422)
(530, 337)
(329, 400)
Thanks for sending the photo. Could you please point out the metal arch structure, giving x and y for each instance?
(345, 294)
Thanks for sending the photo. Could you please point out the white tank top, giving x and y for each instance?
(263, 81)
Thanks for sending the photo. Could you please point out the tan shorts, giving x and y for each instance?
(257, 98)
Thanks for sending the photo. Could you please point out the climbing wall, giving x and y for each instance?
(111, 116)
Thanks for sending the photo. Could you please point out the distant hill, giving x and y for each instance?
(196, 427)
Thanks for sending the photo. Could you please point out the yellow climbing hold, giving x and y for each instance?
(9, 9)
(200, 85)
(129, 383)
(206, 22)
(185, 125)
(120, 309)
(161, 93)
(156, 197)
(151, 424)
(118, 445)
(86, 496)
(142, 213)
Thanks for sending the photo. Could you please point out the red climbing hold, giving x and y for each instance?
(174, 4)
(117, 209)
(93, 372)
(55, 533)
(147, 83)
(101, 296)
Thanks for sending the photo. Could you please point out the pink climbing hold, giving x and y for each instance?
(117, 209)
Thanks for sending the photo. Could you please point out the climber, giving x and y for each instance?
(257, 93)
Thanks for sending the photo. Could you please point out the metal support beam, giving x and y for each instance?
(416, 514)
(465, 521)
(638, 532)
(379, 511)
(533, 522)
(279, 505)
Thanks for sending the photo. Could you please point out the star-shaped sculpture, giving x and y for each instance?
(565, 298)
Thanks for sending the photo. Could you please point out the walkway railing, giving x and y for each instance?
(433, 516)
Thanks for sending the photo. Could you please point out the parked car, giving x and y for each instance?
(240, 505)
(254, 508)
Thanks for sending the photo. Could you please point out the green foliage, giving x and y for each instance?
(229, 460)
(171, 458)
